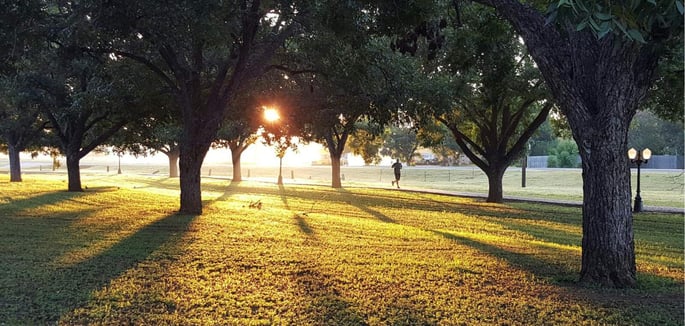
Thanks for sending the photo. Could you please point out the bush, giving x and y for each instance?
(564, 155)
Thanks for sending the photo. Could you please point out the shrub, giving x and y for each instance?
(564, 155)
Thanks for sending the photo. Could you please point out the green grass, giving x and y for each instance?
(118, 254)
(658, 187)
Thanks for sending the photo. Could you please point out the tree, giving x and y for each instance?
(243, 120)
(237, 134)
(20, 124)
(280, 129)
(20, 35)
(647, 130)
(492, 98)
(344, 73)
(439, 140)
(151, 135)
(157, 129)
(87, 99)
(543, 139)
(204, 52)
(665, 98)
(401, 143)
(599, 64)
(366, 142)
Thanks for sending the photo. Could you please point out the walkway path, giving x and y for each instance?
(655, 209)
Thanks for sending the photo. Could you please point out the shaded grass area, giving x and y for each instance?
(117, 254)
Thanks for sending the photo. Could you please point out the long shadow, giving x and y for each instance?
(329, 307)
(28, 249)
(304, 226)
(62, 289)
(15, 206)
(665, 303)
(541, 268)
(284, 198)
(229, 190)
(344, 196)
(300, 220)
(357, 202)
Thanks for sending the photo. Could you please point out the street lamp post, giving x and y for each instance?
(639, 158)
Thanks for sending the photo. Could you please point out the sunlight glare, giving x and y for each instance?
(271, 114)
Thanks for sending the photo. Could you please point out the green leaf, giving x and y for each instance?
(603, 33)
(581, 26)
(593, 24)
(621, 27)
(603, 16)
(636, 35)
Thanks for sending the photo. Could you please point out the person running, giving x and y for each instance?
(397, 166)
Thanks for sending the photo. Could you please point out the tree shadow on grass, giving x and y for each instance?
(548, 269)
(56, 290)
(304, 226)
(48, 198)
(284, 197)
(327, 306)
(357, 202)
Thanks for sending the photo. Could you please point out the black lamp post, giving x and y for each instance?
(639, 158)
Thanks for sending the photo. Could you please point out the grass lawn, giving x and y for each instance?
(118, 254)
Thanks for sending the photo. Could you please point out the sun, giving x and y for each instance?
(271, 114)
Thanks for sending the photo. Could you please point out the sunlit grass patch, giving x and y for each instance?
(311, 255)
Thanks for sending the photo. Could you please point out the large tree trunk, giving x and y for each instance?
(335, 171)
(190, 164)
(74, 172)
(608, 245)
(235, 159)
(335, 142)
(495, 192)
(15, 163)
(173, 156)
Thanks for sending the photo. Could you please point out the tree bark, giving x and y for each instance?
(190, 165)
(335, 142)
(608, 256)
(74, 172)
(235, 159)
(173, 156)
(495, 191)
(336, 182)
(15, 163)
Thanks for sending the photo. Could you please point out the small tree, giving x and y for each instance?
(401, 143)
(438, 138)
(86, 104)
(490, 96)
(366, 142)
(279, 130)
(20, 124)
(243, 119)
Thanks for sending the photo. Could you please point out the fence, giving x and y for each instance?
(656, 162)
